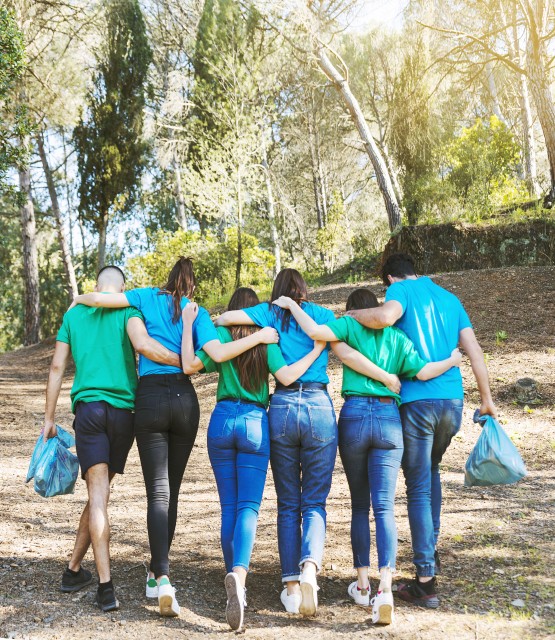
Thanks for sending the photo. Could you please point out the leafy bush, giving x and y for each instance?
(214, 261)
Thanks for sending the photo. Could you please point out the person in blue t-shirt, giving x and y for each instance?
(166, 407)
(431, 411)
(303, 442)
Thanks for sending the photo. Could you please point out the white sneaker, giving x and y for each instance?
(309, 597)
(151, 587)
(166, 599)
(360, 596)
(382, 608)
(236, 601)
(291, 601)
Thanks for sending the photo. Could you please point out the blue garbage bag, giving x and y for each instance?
(53, 466)
(494, 459)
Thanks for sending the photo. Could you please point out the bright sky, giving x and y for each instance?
(372, 12)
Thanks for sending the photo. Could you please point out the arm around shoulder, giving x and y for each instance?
(379, 317)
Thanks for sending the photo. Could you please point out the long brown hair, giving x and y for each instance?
(288, 282)
(181, 283)
(252, 366)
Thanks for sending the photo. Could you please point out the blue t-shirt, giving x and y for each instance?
(432, 318)
(157, 310)
(294, 342)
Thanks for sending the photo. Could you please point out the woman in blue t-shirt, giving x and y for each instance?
(303, 442)
(167, 409)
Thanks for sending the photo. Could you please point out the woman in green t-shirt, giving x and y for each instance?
(371, 437)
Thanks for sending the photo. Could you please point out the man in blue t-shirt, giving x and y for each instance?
(431, 411)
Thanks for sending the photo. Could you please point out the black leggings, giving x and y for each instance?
(166, 423)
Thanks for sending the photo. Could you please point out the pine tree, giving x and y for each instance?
(110, 149)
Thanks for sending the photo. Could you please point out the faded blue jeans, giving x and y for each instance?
(371, 448)
(428, 428)
(239, 451)
(303, 433)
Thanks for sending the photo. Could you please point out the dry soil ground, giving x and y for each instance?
(497, 543)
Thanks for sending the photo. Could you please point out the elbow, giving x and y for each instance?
(313, 334)
(217, 357)
(188, 369)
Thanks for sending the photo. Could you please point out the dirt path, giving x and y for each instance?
(497, 544)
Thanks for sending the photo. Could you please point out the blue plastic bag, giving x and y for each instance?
(494, 459)
(53, 466)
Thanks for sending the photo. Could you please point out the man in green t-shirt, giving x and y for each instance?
(101, 342)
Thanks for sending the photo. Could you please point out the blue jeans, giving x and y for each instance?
(371, 448)
(303, 435)
(239, 451)
(428, 427)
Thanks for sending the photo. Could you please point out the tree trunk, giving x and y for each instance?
(239, 235)
(530, 168)
(181, 213)
(30, 258)
(382, 175)
(493, 93)
(315, 169)
(539, 86)
(392, 172)
(66, 254)
(270, 208)
(102, 241)
(528, 148)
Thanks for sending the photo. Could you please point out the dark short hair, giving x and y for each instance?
(361, 299)
(398, 265)
(110, 266)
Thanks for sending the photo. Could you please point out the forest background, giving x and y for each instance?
(257, 134)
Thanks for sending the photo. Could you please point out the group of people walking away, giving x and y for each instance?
(383, 425)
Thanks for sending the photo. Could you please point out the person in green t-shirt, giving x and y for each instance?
(101, 342)
(371, 437)
(238, 436)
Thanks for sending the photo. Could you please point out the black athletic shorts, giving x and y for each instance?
(102, 434)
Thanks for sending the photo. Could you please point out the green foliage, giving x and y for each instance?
(330, 236)
(13, 122)
(110, 150)
(482, 164)
(214, 263)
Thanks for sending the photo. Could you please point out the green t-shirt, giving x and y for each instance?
(229, 385)
(387, 348)
(103, 354)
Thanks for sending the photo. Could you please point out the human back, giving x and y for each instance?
(294, 343)
(433, 319)
(103, 355)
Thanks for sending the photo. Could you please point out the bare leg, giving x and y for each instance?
(82, 541)
(83, 538)
(362, 574)
(293, 587)
(242, 573)
(98, 485)
(385, 579)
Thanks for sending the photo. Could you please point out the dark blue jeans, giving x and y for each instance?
(239, 451)
(371, 447)
(303, 433)
(428, 428)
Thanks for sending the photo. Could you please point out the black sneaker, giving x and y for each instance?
(437, 563)
(423, 594)
(75, 580)
(106, 597)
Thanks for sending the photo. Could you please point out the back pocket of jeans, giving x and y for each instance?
(350, 429)
(147, 411)
(322, 423)
(256, 431)
(391, 431)
(277, 417)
